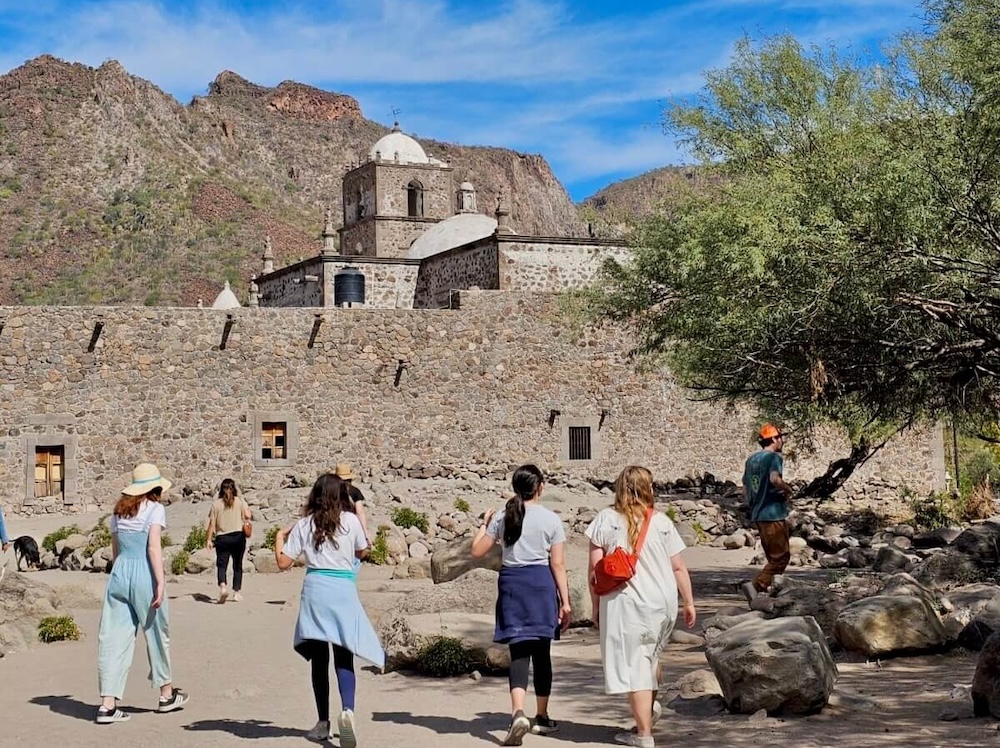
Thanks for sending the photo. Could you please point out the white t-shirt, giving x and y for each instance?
(350, 539)
(150, 513)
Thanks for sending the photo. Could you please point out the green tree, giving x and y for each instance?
(841, 263)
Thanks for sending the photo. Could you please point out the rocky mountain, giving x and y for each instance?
(113, 192)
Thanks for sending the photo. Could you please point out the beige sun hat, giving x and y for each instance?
(344, 472)
(145, 477)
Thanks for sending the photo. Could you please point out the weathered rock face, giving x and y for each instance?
(889, 623)
(473, 592)
(23, 603)
(986, 681)
(455, 559)
(945, 568)
(298, 100)
(782, 665)
(404, 636)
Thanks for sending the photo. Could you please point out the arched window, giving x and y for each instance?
(415, 199)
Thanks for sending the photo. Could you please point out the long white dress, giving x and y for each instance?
(637, 619)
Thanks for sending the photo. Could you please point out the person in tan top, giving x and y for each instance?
(227, 520)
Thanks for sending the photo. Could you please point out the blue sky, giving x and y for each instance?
(582, 83)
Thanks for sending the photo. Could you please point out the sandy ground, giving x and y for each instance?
(246, 683)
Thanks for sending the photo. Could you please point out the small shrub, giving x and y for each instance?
(700, 533)
(939, 509)
(271, 536)
(461, 505)
(196, 539)
(50, 540)
(166, 541)
(100, 537)
(979, 504)
(671, 512)
(379, 552)
(444, 657)
(178, 564)
(405, 517)
(58, 629)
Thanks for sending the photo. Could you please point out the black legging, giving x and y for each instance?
(231, 545)
(318, 654)
(522, 655)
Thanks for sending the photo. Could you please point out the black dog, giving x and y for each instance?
(26, 548)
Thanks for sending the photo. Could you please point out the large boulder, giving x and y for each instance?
(24, 602)
(404, 636)
(579, 597)
(265, 563)
(981, 542)
(475, 592)
(891, 560)
(889, 623)
(986, 681)
(201, 560)
(454, 559)
(783, 666)
(945, 568)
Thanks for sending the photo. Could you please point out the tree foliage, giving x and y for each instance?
(842, 266)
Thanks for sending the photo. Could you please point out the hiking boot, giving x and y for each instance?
(110, 716)
(176, 700)
(519, 727)
(542, 725)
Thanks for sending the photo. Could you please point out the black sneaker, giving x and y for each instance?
(177, 699)
(110, 716)
(543, 725)
(519, 727)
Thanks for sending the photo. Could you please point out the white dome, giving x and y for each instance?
(466, 187)
(226, 299)
(409, 150)
(453, 232)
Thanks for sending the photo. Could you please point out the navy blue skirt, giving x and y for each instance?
(527, 605)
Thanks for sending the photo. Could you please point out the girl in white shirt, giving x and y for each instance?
(330, 611)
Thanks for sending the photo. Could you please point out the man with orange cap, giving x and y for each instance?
(766, 494)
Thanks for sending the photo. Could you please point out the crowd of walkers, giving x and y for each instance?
(639, 587)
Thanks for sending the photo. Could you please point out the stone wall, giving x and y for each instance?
(359, 194)
(359, 239)
(537, 264)
(457, 269)
(388, 285)
(289, 286)
(393, 236)
(496, 382)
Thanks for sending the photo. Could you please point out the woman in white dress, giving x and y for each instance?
(636, 619)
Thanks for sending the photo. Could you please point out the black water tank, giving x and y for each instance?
(349, 287)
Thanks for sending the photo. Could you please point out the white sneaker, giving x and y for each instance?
(237, 597)
(348, 735)
(321, 731)
(657, 712)
(630, 738)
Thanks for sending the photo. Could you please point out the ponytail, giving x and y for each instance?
(527, 482)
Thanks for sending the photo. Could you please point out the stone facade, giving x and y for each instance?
(538, 264)
(388, 284)
(393, 236)
(471, 266)
(501, 379)
(298, 285)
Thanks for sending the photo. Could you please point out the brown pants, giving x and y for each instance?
(774, 538)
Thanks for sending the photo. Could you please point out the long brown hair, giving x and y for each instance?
(327, 499)
(128, 506)
(228, 492)
(633, 496)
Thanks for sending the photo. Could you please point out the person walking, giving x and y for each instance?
(4, 538)
(766, 494)
(134, 597)
(228, 521)
(330, 611)
(637, 618)
(346, 474)
(532, 594)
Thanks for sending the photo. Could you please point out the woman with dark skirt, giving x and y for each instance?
(330, 613)
(532, 594)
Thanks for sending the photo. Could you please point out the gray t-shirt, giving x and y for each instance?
(541, 530)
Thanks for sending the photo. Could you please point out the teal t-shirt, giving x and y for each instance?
(765, 501)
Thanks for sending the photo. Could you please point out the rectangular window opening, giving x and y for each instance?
(49, 463)
(273, 437)
(579, 442)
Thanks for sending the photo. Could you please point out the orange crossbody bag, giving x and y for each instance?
(617, 567)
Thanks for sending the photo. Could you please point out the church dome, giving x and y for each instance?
(450, 233)
(226, 299)
(396, 142)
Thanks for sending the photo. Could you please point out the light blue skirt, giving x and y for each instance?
(330, 611)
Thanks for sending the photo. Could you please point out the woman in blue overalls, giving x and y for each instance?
(135, 597)
(331, 538)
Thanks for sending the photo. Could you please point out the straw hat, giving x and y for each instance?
(145, 477)
(344, 471)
